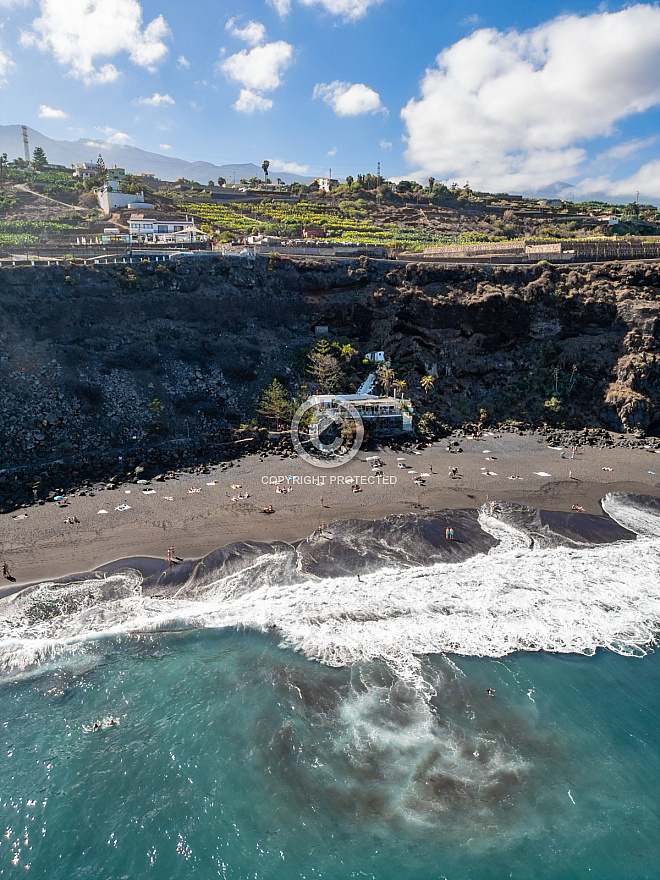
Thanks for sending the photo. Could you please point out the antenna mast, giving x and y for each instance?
(26, 143)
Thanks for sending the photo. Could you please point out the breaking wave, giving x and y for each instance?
(514, 580)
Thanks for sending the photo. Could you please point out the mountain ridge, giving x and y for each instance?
(134, 159)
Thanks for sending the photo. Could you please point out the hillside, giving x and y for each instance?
(165, 361)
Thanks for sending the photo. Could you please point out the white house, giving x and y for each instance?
(378, 357)
(326, 183)
(83, 170)
(369, 406)
(149, 230)
(110, 199)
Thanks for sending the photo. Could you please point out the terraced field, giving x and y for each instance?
(288, 220)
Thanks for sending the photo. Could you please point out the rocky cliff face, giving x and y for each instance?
(95, 360)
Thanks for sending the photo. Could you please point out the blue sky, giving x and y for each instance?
(508, 95)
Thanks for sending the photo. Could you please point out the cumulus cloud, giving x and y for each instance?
(46, 112)
(386, 145)
(253, 33)
(349, 99)
(511, 110)
(289, 167)
(165, 146)
(349, 10)
(79, 31)
(157, 100)
(261, 68)
(332, 152)
(645, 181)
(249, 101)
(5, 63)
(182, 62)
(282, 7)
(112, 136)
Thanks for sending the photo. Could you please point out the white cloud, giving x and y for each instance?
(5, 63)
(249, 101)
(7, 4)
(289, 167)
(332, 152)
(349, 10)
(386, 145)
(259, 68)
(46, 112)
(282, 7)
(156, 100)
(349, 99)
(182, 62)
(628, 148)
(645, 181)
(112, 136)
(511, 110)
(79, 31)
(253, 33)
(165, 146)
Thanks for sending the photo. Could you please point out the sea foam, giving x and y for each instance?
(516, 597)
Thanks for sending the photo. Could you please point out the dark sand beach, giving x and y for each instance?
(167, 514)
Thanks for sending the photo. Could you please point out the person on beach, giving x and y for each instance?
(447, 533)
(321, 500)
(5, 570)
(170, 557)
(570, 474)
(451, 534)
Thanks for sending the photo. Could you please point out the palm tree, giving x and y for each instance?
(427, 383)
(385, 376)
(431, 183)
(265, 165)
(399, 385)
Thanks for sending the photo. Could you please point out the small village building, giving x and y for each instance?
(166, 230)
(266, 240)
(110, 199)
(83, 170)
(115, 174)
(326, 183)
(391, 412)
(377, 357)
(313, 232)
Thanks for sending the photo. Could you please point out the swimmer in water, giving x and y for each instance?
(96, 726)
(490, 692)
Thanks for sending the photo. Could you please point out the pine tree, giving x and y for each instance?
(324, 367)
(39, 159)
(275, 404)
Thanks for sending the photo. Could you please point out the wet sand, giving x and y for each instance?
(41, 546)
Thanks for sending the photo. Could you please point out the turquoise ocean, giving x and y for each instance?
(272, 727)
